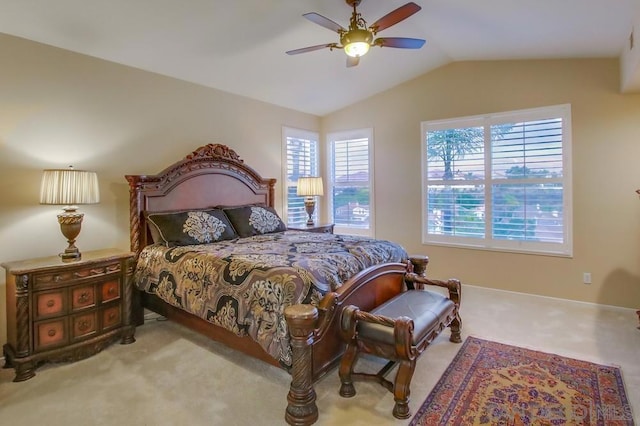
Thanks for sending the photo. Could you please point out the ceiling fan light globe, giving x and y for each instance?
(356, 49)
(357, 42)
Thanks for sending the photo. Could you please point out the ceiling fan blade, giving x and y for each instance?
(392, 18)
(400, 42)
(352, 61)
(324, 22)
(311, 48)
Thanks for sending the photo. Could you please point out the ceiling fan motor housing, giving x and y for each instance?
(357, 36)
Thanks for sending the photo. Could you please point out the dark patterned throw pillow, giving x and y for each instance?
(190, 227)
(255, 220)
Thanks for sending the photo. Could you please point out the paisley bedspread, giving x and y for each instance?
(244, 285)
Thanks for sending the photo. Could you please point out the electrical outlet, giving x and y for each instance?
(586, 278)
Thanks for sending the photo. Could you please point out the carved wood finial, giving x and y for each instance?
(215, 150)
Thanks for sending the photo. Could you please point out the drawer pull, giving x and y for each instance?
(84, 325)
(51, 332)
(57, 278)
(50, 303)
(112, 315)
(84, 297)
(111, 290)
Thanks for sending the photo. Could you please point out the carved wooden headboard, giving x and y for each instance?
(212, 175)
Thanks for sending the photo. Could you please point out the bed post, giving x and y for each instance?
(134, 214)
(301, 409)
(135, 234)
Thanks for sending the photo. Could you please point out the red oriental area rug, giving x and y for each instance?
(491, 383)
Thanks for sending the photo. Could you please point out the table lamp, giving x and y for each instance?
(309, 187)
(69, 187)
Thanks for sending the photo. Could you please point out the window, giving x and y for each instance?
(350, 181)
(501, 181)
(301, 158)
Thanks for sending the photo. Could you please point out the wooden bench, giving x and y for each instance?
(399, 330)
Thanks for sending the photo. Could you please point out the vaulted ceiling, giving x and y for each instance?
(239, 46)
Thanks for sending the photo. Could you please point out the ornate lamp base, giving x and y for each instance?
(70, 255)
(70, 224)
(310, 206)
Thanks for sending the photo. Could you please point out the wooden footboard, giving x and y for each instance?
(315, 336)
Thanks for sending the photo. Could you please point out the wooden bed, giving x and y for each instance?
(214, 175)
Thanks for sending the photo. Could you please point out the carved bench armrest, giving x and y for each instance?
(376, 319)
(352, 314)
(452, 284)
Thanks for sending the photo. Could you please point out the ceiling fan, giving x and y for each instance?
(357, 40)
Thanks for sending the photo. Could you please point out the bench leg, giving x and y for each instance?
(401, 389)
(347, 390)
(456, 326)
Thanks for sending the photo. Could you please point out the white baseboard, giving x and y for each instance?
(599, 305)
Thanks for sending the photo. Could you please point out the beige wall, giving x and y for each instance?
(606, 171)
(59, 108)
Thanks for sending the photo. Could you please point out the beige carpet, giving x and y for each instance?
(171, 376)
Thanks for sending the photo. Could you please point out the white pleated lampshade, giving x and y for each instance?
(69, 187)
(310, 186)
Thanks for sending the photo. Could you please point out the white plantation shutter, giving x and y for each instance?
(456, 182)
(527, 172)
(500, 181)
(351, 181)
(301, 152)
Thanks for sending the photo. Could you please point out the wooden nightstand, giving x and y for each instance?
(321, 228)
(66, 311)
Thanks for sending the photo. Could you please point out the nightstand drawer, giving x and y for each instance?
(49, 304)
(83, 297)
(53, 279)
(50, 333)
(110, 290)
(60, 278)
(84, 325)
(111, 317)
